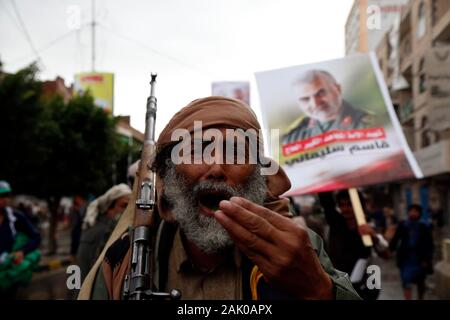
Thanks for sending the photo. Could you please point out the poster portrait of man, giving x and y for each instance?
(319, 98)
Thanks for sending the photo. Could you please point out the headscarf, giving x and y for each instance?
(102, 203)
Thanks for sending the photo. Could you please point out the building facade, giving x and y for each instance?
(421, 65)
(368, 21)
(424, 33)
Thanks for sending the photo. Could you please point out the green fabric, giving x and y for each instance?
(99, 290)
(20, 274)
(4, 187)
(92, 242)
(4, 190)
(342, 285)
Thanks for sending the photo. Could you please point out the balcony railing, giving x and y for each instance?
(439, 9)
(405, 49)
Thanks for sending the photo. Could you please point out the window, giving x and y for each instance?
(434, 9)
(422, 77)
(425, 135)
(428, 136)
(422, 24)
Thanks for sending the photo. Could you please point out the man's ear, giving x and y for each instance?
(338, 88)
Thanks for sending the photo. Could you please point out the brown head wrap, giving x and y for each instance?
(219, 112)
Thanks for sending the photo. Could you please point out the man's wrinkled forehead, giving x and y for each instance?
(220, 141)
(213, 112)
(227, 132)
(309, 88)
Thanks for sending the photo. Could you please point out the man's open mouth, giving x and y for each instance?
(208, 200)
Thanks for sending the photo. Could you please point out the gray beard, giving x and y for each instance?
(204, 231)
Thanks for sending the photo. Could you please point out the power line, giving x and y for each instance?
(26, 33)
(11, 16)
(93, 36)
(50, 44)
(144, 45)
(37, 52)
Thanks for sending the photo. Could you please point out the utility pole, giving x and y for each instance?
(93, 35)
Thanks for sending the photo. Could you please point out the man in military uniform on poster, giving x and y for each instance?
(319, 97)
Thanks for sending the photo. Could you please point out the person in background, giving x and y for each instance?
(414, 245)
(376, 216)
(19, 242)
(27, 209)
(131, 173)
(101, 218)
(77, 213)
(345, 246)
(391, 223)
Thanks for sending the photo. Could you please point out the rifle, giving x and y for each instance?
(138, 283)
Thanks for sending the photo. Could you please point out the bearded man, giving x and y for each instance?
(319, 98)
(225, 232)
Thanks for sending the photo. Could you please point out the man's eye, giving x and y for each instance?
(304, 100)
(321, 93)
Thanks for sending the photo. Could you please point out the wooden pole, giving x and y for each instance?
(359, 214)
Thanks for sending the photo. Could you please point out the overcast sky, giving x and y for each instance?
(190, 43)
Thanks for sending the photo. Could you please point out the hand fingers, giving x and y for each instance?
(242, 237)
(249, 220)
(365, 230)
(274, 218)
(256, 250)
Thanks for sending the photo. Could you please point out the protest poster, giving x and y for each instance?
(337, 126)
(232, 89)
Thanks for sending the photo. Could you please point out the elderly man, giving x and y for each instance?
(101, 217)
(225, 232)
(319, 97)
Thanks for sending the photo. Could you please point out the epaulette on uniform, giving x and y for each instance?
(292, 126)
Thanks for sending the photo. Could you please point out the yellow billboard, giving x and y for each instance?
(100, 85)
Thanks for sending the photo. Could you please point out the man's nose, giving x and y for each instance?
(216, 172)
(314, 101)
